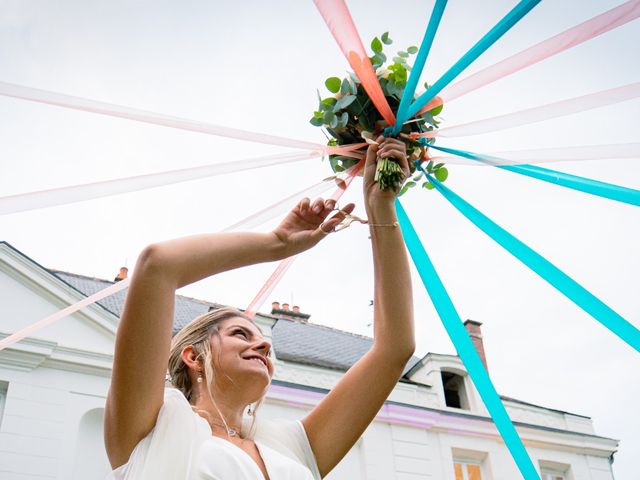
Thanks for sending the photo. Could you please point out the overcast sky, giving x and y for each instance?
(257, 68)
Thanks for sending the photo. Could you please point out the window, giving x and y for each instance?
(3, 398)
(555, 471)
(470, 464)
(467, 471)
(550, 475)
(455, 394)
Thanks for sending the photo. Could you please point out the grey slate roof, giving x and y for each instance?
(293, 341)
(311, 344)
(186, 309)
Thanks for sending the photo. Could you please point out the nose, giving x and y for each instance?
(264, 347)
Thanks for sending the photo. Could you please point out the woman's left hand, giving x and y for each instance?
(307, 224)
(386, 148)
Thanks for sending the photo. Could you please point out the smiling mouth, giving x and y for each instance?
(259, 359)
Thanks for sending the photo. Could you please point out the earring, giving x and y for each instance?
(199, 379)
(250, 412)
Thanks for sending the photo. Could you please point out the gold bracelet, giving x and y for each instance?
(392, 225)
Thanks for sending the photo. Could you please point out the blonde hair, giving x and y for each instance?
(198, 334)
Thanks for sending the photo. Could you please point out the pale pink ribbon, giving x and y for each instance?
(285, 264)
(549, 155)
(540, 113)
(45, 322)
(571, 37)
(249, 222)
(103, 108)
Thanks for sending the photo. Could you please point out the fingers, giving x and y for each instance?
(394, 148)
(330, 224)
(303, 206)
(372, 151)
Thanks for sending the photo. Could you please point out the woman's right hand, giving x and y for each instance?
(307, 224)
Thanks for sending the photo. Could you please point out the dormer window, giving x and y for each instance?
(455, 394)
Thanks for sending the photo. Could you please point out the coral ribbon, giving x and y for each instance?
(338, 18)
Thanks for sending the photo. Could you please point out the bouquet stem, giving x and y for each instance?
(389, 175)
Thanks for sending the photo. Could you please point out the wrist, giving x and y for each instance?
(381, 211)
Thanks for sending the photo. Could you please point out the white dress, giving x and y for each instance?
(181, 447)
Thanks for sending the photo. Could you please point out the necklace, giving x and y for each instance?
(232, 432)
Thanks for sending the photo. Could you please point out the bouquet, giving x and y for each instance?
(350, 117)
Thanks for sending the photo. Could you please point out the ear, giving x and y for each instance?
(190, 357)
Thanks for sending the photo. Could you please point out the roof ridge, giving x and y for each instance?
(326, 327)
(77, 275)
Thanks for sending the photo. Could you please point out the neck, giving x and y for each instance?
(224, 410)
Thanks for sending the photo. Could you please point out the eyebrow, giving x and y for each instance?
(246, 330)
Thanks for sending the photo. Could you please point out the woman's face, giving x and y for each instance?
(241, 354)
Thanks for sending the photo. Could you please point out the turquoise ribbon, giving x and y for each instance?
(543, 267)
(418, 66)
(583, 184)
(458, 334)
(502, 27)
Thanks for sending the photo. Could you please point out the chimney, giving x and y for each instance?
(124, 271)
(283, 312)
(475, 332)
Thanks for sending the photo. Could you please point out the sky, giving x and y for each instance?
(256, 66)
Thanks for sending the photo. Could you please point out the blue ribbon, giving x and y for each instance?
(458, 334)
(502, 27)
(421, 58)
(587, 185)
(543, 267)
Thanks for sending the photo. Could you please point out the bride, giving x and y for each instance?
(220, 364)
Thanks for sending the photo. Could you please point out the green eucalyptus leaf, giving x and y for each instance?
(385, 38)
(334, 121)
(439, 165)
(344, 102)
(403, 54)
(316, 122)
(428, 185)
(376, 45)
(333, 84)
(410, 184)
(344, 87)
(344, 119)
(442, 174)
(328, 117)
(418, 177)
(403, 190)
(435, 111)
(412, 49)
(353, 89)
(430, 166)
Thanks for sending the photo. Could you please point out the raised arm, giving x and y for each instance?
(337, 422)
(144, 333)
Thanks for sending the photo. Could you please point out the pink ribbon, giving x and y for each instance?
(563, 41)
(45, 322)
(102, 108)
(284, 265)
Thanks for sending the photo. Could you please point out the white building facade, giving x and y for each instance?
(53, 387)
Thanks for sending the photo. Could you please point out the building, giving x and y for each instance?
(53, 387)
